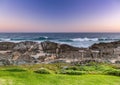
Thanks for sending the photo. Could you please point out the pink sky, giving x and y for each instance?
(106, 19)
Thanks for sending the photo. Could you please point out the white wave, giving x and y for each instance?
(5, 39)
(45, 37)
(85, 39)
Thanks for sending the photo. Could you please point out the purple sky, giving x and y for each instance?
(59, 15)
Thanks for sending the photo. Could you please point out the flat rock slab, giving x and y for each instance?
(3, 52)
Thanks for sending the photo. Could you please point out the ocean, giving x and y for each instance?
(74, 39)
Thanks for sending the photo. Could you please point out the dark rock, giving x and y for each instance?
(65, 48)
(117, 62)
(105, 45)
(26, 46)
(7, 45)
(49, 47)
(52, 47)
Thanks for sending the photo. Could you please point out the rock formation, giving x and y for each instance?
(50, 52)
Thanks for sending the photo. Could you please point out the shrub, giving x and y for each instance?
(72, 68)
(87, 68)
(95, 68)
(42, 71)
(73, 72)
(116, 66)
(113, 72)
(15, 70)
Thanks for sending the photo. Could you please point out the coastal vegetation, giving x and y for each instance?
(60, 73)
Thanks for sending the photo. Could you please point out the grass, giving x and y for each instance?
(25, 75)
(41, 79)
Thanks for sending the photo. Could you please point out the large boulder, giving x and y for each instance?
(49, 47)
(7, 45)
(52, 47)
(26, 46)
(66, 48)
(103, 45)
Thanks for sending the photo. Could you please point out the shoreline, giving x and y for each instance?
(50, 52)
(74, 39)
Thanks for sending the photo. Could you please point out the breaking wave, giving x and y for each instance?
(39, 38)
(85, 39)
(94, 39)
(5, 39)
(25, 39)
(43, 38)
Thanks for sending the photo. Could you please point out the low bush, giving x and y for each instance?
(116, 66)
(42, 71)
(73, 72)
(95, 68)
(72, 68)
(113, 72)
(15, 70)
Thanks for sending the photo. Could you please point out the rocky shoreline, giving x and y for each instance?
(50, 52)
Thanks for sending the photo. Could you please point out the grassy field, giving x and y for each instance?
(25, 75)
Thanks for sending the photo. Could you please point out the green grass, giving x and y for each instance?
(25, 75)
(42, 79)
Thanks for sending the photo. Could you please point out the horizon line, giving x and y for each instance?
(59, 32)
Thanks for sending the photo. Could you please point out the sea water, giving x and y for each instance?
(74, 39)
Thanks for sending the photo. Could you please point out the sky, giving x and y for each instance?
(59, 15)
